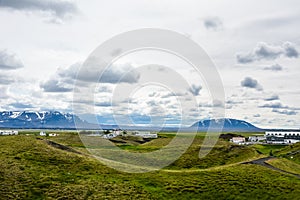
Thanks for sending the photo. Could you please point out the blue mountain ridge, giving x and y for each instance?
(58, 120)
(227, 125)
(35, 120)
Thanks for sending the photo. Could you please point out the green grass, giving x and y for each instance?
(285, 165)
(291, 152)
(31, 169)
(268, 149)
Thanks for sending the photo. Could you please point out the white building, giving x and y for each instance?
(257, 138)
(282, 137)
(110, 135)
(8, 132)
(145, 134)
(238, 140)
(117, 132)
(42, 133)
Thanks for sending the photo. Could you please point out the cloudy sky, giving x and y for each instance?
(254, 45)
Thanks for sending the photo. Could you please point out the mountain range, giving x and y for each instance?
(58, 120)
(32, 119)
(229, 125)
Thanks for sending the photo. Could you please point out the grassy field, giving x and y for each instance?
(32, 169)
(285, 165)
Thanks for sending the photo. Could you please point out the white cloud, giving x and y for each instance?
(275, 67)
(284, 111)
(44, 46)
(272, 97)
(213, 23)
(249, 82)
(9, 61)
(195, 89)
(56, 8)
(53, 85)
(6, 79)
(264, 51)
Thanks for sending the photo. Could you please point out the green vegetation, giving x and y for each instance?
(268, 149)
(285, 165)
(32, 169)
(291, 152)
(223, 153)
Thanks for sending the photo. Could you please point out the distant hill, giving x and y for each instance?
(45, 119)
(229, 125)
(58, 120)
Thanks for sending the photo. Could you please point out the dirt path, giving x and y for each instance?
(262, 162)
(60, 146)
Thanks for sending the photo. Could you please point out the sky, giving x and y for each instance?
(254, 46)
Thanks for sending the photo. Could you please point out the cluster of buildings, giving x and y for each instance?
(43, 133)
(144, 134)
(270, 137)
(114, 133)
(111, 135)
(8, 132)
(282, 137)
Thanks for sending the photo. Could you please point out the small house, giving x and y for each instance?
(238, 140)
(42, 133)
(8, 132)
(145, 134)
(256, 138)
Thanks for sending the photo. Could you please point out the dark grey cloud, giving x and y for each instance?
(57, 8)
(273, 105)
(122, 73)
(284, 111)
(272, 98)
(152, 94)
(218, 103)
(275, 67)
(19, 105)
(104, 104)
(172, 94)
(64, 79)
(232, 102)
(249, 82)
(6, 79)
(279, 108)
(152, 103)
(290, 50)
(104, 89)
(213, 23)
(195, 89)
(9, 61)
(116, 52)
(215, 104)
(53, 85)
(264, 51)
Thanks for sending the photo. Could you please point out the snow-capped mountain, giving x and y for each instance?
(233, 125)
(58, 120)
(45, 119)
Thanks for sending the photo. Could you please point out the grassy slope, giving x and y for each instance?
(268, 149)
(31, 169)
(291, 152)
(285, 165)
